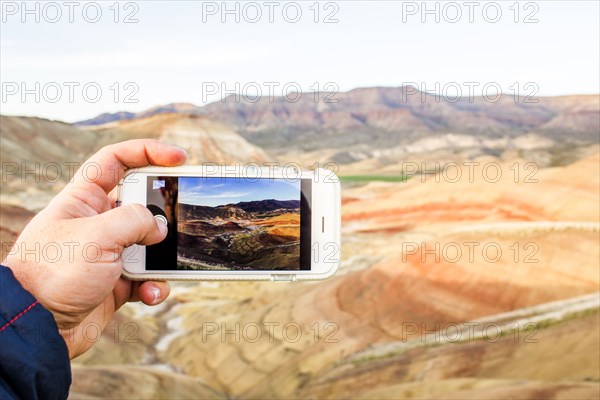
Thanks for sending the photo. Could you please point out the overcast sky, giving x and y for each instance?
(184, 51)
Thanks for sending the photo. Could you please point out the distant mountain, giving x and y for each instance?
(368, 130)
(106, 118)
(380, 117)
(235, 211)
(268, 205)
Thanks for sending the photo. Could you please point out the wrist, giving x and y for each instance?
(19, 273)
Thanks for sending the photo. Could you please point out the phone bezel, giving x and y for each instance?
(325, 240)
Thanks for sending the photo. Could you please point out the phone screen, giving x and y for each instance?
(231, 223)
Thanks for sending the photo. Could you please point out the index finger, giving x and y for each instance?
(107, 166)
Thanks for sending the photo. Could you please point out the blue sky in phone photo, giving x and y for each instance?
(219, 191)
(175, 47)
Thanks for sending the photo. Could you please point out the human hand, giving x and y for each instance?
(69, 255)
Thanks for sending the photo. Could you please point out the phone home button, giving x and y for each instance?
(162, 218)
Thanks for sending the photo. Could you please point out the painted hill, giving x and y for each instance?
(383, 286)
(519, 363)
(204, 140)
(195, 212)
(40, 156)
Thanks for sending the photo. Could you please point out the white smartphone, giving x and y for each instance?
(236, 223)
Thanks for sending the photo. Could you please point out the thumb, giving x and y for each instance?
(130, 224)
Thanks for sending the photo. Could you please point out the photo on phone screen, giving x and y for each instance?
(231, 223)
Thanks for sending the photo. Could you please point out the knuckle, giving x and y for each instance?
(143, 219)
(141, 213)
(108, 149)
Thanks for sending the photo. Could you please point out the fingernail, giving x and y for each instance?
(156, 293)
(179, 148)
(162, 226)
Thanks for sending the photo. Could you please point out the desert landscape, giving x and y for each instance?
(243, 236)
(470, 252)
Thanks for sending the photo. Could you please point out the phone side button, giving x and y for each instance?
(283, 277)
